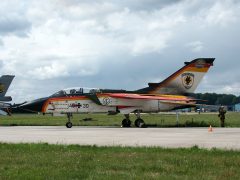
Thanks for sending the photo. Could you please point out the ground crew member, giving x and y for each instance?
(221, 115)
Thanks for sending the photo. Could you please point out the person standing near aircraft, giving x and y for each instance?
(221, 115)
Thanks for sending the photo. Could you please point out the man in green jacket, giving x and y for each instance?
(221, 115)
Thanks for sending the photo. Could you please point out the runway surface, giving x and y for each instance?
(225, 138)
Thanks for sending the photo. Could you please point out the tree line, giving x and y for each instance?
(218, 99)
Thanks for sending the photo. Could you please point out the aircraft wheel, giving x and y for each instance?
(139, 123)
(68, 124)
(126, 123)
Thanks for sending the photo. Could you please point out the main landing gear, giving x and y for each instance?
(138, 122)
(126, 122)
(69, 123)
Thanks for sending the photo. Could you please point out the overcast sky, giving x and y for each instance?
(53, 44)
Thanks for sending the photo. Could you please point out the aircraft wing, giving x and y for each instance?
(127, 110)
(151, 97)
(126, 107)
(180, 103)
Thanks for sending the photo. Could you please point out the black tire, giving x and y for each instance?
(68, 124)
(129, 123)
(126, 123)
(136, 123)
(139, 123)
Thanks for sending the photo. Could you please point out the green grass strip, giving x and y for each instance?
(152, 120)
(44, 161)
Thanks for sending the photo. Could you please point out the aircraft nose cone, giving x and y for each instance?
(33, 106)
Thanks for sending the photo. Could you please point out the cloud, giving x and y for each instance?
(13, 20)
(1, 43)
(14, 25)
(134, 5)
(115, 44)
(222, 13)
(46, 72)
(195, 46)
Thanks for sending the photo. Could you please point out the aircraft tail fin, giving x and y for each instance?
(5, 82)
(183, 81)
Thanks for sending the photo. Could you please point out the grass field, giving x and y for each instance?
(43, 161)
(154, 120)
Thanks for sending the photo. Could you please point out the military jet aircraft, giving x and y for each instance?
(172, 93)
(5, 82)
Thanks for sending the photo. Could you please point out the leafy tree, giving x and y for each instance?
(217, 99)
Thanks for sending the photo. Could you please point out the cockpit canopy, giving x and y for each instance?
(76, 91)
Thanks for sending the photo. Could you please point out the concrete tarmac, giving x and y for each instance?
(224, 138)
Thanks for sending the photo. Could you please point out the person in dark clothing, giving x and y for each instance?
(221, 115)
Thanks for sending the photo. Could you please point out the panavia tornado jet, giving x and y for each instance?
(172, 93)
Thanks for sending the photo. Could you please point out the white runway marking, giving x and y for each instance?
(225, 138)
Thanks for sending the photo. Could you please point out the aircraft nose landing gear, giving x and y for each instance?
(69, 123)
